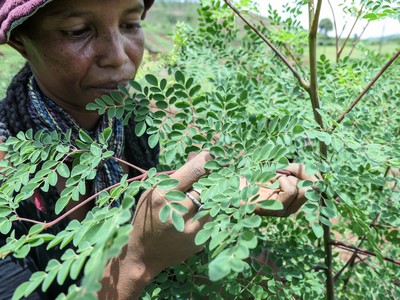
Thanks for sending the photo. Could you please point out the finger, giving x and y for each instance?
(298, 170)
(192, 171)
(288, 191)
(192, 155)
(194, 198)
(298, 202)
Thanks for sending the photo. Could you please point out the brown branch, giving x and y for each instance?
(313, 91)
(362, 251)
(387, 65)
(302, 82)
(335, 26)
(350, 32)
(57, 220)
(358, 39)
(130, 165)
(352, 259)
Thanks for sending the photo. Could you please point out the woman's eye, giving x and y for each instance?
(75, 33)
(131, 26)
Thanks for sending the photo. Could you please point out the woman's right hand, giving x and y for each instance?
(155, 245)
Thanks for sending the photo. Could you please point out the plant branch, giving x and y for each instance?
(350, 32)
(352, 259)
(130, 165)
(313, 91)
(362, 251)
(305, 85)
(335, 26)
(57, 220)
(386, 66)
(358, 39)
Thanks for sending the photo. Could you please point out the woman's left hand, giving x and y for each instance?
(288, 193)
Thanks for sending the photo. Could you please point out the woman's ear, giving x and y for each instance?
(16, 41)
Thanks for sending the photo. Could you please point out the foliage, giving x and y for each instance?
(325, 25)
(263, 119)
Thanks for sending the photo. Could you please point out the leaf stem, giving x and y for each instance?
(313, 92)
(351, 30)
(130, 165)
(304, 84)
(362, 251)
(55, 221)
(377, 76)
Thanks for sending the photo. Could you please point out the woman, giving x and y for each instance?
(77, 51)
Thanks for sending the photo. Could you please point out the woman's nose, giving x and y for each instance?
(111, 50)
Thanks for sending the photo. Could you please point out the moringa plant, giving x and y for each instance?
(245, 88)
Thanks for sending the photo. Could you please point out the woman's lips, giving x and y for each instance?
(107, 88)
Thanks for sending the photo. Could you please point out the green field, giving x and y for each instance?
(10, 62)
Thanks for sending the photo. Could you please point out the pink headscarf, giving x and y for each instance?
(14, 12)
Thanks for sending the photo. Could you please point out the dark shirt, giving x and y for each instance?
(15, 271)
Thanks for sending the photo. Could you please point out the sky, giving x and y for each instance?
(375, 29)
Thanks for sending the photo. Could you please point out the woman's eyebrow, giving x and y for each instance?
(66, 14)
(137, 9)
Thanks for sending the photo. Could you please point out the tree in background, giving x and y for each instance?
(325, 25)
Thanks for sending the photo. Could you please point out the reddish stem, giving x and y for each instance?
(55, 221)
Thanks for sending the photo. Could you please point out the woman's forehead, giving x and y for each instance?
(13, 13)
(80, 8)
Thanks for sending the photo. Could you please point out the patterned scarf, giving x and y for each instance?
(48, 116)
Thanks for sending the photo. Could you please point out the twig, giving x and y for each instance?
(130, 165)
(352, 259)
(386, 66)
(312, 45)
(362, 251)
(335, 26)
(305, 85)
(358, 39)
(351, 30)
(55, 221)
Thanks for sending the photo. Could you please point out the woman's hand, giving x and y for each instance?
(288, 193)
(155, 245)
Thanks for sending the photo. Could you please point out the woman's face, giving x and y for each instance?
(82, 49)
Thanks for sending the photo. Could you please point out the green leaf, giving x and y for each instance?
(175, 196)
(151, 79)
(20, 291)
(63, 170)
(64, 271)
(305, 183)
(153, 140)
(5, 227)
(23, 251)
(128, 202)
(167, 184)
(49, 279)
(164, 214)
(179, 207)
(328, 212)
(83, 136)
(178, 221)
(35, 229)
(77, 266)
(318, 230)
(140, 129)
(179, 77)
(61, 203)
(212, 165)
(202, 236)
(253, 221)
(219, 268)
(271, 204)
